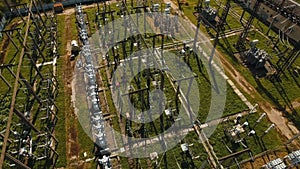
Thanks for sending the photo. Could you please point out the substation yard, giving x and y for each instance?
(254, 102)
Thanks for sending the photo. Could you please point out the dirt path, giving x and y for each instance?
(70, 11)
(72, 145)
(296, 103)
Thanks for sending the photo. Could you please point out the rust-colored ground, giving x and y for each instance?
(72, 145)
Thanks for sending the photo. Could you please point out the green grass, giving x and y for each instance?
(74, 30)
(174, 157)
(195, 150)
(24, 101)
(272, 139)
(91, 13)
(28, 72)
(188, 10)
(62, 42)
(265, 87)
(82, 124)
(64, 102)
(86, 143)
(60, 128)
(233, 105)
(12, 56)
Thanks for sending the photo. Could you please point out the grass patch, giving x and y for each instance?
(61, 102)
(267, 89)
(60, 128)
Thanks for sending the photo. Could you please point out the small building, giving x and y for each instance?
(74, 49)
(58, 8)
(153, 155)
(184, 147)
(75, 46)
(168, 112)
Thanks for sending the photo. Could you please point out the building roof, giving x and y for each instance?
(58, 5)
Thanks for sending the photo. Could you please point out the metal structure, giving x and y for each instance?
(256, 57)
(258, 61)
(96, 116)
(285, 63)
(240, 45)
(138, 42)
(238, 132)
(29, 88)
(282, 17)
(294, 158)
(123, 52)
(275, 164)
(209, 17)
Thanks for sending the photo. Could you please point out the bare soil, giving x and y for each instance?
(296, 103)
(73, 147)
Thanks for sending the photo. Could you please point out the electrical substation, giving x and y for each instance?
(150, 84)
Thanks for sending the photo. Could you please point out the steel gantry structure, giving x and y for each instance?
(97, 121)
(283, 17)
(29, 88)
(240, 45)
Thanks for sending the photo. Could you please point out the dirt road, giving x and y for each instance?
(72, 145)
